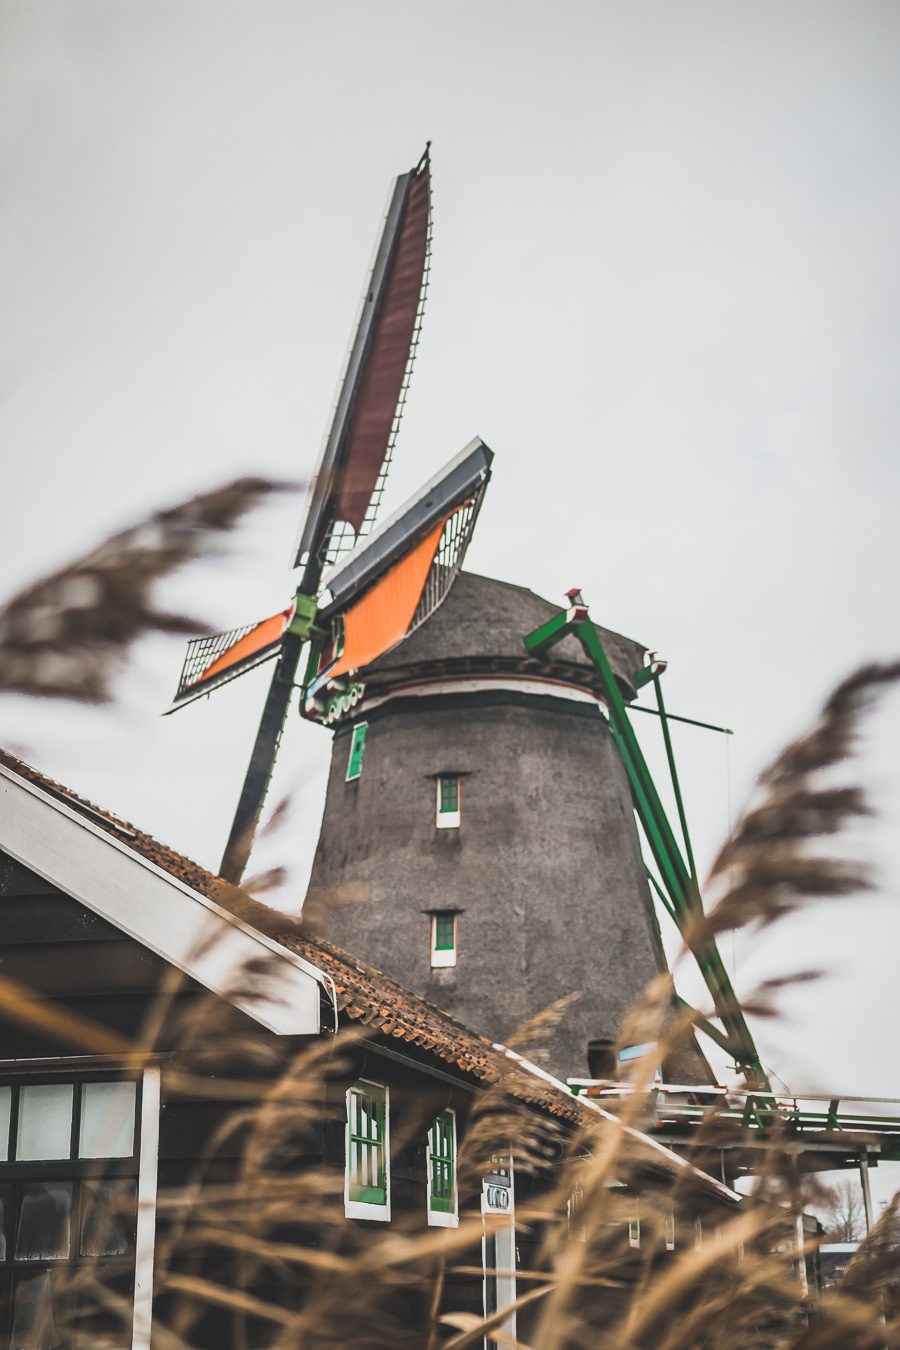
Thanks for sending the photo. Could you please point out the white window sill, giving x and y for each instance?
(437, 1218)
(443, 958)
(448, 820)
(363, 1209)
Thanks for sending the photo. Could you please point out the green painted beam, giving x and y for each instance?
(676, 786)
(676, 873)
(305, 610)
(547, 636)
(708, 1028)
(675, 717)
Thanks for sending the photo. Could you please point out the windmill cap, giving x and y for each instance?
(479, 629)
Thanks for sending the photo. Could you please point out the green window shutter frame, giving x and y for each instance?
(442, 1164)
(366, 1133)
(357, 746)
(445, 931)
(449, 794)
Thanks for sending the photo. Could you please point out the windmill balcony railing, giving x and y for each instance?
(811, 1114)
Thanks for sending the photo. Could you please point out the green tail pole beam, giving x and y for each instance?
(676, 786)
(677, 876)
(661, 895)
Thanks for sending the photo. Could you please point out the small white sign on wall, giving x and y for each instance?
(497, 1199)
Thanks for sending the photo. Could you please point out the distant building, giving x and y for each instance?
(834, 1258)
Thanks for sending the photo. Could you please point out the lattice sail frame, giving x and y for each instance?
(444, 569)
(203, 652)
(448, 559)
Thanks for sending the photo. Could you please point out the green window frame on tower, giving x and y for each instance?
(441, 1163)
(367, 1174)
(448, 801)
(444, 928)
(357, 746)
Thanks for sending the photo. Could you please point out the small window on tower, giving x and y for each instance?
(443, 938)
(448, 801)
(357, 746)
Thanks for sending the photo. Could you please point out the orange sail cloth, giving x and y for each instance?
(262, 635)
(382, 617)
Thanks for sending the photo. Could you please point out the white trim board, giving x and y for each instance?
(145, 1238)
(464, 684)
(185, 928)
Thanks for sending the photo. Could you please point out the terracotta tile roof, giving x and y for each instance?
(368, 996)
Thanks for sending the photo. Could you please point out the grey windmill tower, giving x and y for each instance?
(478, 841)
(485, 778)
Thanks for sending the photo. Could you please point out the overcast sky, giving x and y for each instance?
(664, 290)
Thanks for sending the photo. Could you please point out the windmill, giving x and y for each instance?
(357, 601)
(353, 601)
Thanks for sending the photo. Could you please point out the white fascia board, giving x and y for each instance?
(185, 928)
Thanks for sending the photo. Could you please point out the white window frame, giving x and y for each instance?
(504, 1235)
(367, 1209)
(441, 1218)
(445, 956)
(670, 1231)
(634, 1231)
(146, 1152)
(447, 820)
(145, 1235)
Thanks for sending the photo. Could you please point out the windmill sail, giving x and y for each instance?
(346, 490)
(347, 487)
(213, 660)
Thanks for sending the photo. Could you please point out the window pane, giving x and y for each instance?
(45, 1121)
(449, 794)
(442, 1162)
(33, 1321)
(366, 1152)
(103, 1313)
(5, 1105)
(444, 932)
(108, 1217)
(6, 1207)
(107, 1120)
(44, 1221)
